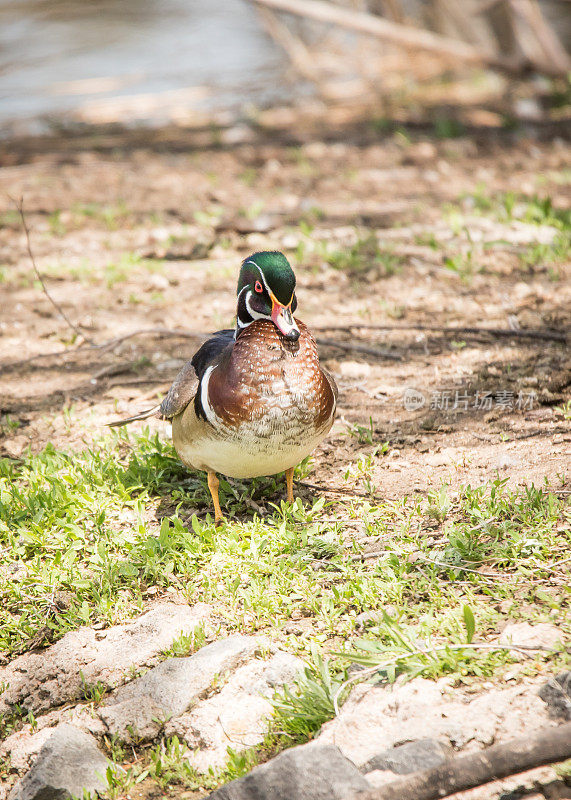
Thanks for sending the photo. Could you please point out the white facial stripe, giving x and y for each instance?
(251, 312)
(208, 410)
(261, 275)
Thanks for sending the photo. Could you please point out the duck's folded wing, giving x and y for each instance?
(331, 381)
(181, 392)
(186, 383)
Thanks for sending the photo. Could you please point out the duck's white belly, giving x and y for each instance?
(254, 450)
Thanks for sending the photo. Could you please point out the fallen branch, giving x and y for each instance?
(404, 35)
(20, 207)
(104, 345)
(155, 331)
(546, 334)
(359, 348)
(547, 746)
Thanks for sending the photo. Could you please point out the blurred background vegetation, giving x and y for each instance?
(68, 64)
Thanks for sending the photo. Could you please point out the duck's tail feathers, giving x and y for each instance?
(150, 412)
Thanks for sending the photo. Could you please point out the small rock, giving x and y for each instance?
(138, 710)
(556, 693)
(170, 365)
(439, 459)
(528, 108)
(15, 446)
(21, 747)
(409, 757)
(158, 282)
(316, 772)
(524, 634)
(422, 153)
(290, 241)
(237, 134)
(354, 369)
(505, 461)
(40, 681)
(68, 764)
(237, 715)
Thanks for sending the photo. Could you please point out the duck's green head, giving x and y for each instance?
(266, 290)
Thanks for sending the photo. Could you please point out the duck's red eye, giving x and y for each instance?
(258, 287)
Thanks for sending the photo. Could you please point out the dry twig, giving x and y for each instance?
(359, 348)
(20, 207)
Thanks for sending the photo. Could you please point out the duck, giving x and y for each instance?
(254, 399)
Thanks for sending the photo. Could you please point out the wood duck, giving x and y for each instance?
(254, 400)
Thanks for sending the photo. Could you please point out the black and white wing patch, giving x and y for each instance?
(186, 383)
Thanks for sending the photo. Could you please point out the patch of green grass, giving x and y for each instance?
(93, 692)
(365, 434)
(363, 256)
(249, 176)
(106, 523)
(555, 252)
(10, 219)
(564, 410)
(55, 224)
(462, 264)
(112, 273)
(448, 128)
(392, 649)
(187, 643)
(168, 765)
(83, 271)
(299, 712)
(129, 263)
(426, 239)
(112, 216)
(8, 424)
(508, 206)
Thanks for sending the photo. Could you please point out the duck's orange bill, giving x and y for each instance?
(283, 319)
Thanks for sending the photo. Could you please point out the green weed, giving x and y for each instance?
(187, 643)
(168, 764)
(106, 523)
(300, 712)
(462, 264)
(564, 410)
(363, 256)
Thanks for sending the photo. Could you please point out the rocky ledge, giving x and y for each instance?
(219, 697)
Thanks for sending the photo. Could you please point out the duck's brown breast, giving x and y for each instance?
(265, 373)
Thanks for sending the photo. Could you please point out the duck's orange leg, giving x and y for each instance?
(213, 484)
(289, 484)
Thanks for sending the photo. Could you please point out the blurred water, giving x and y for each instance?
(139, 60)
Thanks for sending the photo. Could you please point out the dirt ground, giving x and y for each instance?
(133, 238)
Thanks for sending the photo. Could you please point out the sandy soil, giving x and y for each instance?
(138, 237)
